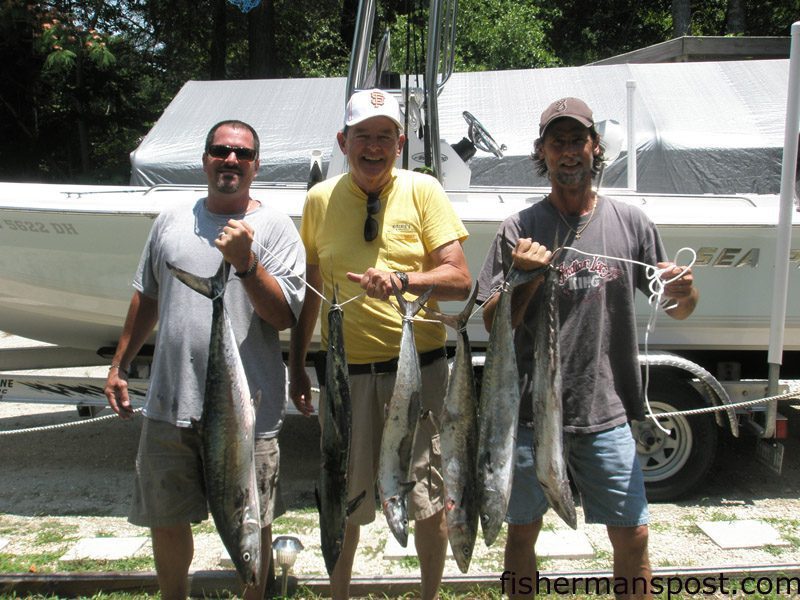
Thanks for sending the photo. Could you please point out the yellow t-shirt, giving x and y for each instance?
(415, 218)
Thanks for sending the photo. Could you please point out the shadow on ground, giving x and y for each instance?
(88, 469)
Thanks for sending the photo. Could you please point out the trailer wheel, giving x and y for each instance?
(674, 464)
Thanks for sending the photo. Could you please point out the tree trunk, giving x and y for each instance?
(347, 23)
(681, 18)
(219, 41)
(736, 19)
(80, 112)
(261, 41)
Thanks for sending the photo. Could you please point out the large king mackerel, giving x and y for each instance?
(335, 408)
(458, 437)
(394, 478)
(227, 430)
(551, 470)
(499, 412)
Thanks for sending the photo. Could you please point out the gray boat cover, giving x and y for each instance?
(703, 127)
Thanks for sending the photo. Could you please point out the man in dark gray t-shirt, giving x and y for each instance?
(598, 348)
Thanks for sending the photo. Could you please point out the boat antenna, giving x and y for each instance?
(407, 92)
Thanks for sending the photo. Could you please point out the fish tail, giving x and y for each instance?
(459, 321)
(465, 314)
(409, 309)
(335, 299)
(210, 287)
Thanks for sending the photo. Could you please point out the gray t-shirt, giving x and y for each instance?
(184, 235)
(601, 380)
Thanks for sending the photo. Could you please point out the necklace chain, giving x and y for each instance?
(583, 227)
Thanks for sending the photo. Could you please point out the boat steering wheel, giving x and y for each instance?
(482, 139)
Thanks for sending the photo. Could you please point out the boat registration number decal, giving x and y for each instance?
(38, 227)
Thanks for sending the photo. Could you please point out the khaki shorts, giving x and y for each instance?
(370, 395)
(169, 487)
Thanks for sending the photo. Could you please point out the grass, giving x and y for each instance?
(136, 563)
(51, 532)
(488, 592)
(304, 520)
(45, 562)
(48, 538)
(48, 562)
(206, 526)
(774, 550)
(793, 540)
(656, 528)
(409, 562)
(717, 515)
(112, 596)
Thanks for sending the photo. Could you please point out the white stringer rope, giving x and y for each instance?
(65, 425)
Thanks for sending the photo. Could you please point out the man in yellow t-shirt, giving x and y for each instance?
(362, 231)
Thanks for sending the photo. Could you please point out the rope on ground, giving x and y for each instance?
(64, 425)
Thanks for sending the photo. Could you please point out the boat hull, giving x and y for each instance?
(68, 256)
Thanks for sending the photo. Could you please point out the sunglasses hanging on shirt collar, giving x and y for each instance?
(371, 225)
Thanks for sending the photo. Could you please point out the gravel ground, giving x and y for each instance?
(79, 479)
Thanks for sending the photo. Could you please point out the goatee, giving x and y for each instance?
(227, 185)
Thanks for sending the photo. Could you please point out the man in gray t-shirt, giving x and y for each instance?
(263, 295)
(597, 337)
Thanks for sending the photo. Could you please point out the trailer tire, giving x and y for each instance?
(674, 464)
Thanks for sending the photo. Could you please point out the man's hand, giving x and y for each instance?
(681, 291)
(235, 242)
(300, 392)
(116, 391)
(529, 255)
(378, 284)
(682, 287)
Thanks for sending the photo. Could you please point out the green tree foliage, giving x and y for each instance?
(81, 93)
(84, 80)
(761, 17)
(582, 32)
(503, 34)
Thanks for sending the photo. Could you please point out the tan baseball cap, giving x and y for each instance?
(366, 104)
(574, 108)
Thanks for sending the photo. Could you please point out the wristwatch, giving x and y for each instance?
(403, 279)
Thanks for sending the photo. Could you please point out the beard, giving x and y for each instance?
(573, 178)
(228, 183)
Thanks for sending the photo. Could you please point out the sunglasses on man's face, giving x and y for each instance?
(223, 152)
(371, 225)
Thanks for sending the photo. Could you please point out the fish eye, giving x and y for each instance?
(246, 557)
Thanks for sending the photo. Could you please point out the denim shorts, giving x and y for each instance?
(604, 468)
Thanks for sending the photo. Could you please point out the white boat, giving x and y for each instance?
(68, 255)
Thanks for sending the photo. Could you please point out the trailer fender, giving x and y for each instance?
(708, 386)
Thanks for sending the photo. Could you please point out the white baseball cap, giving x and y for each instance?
(366, 104)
